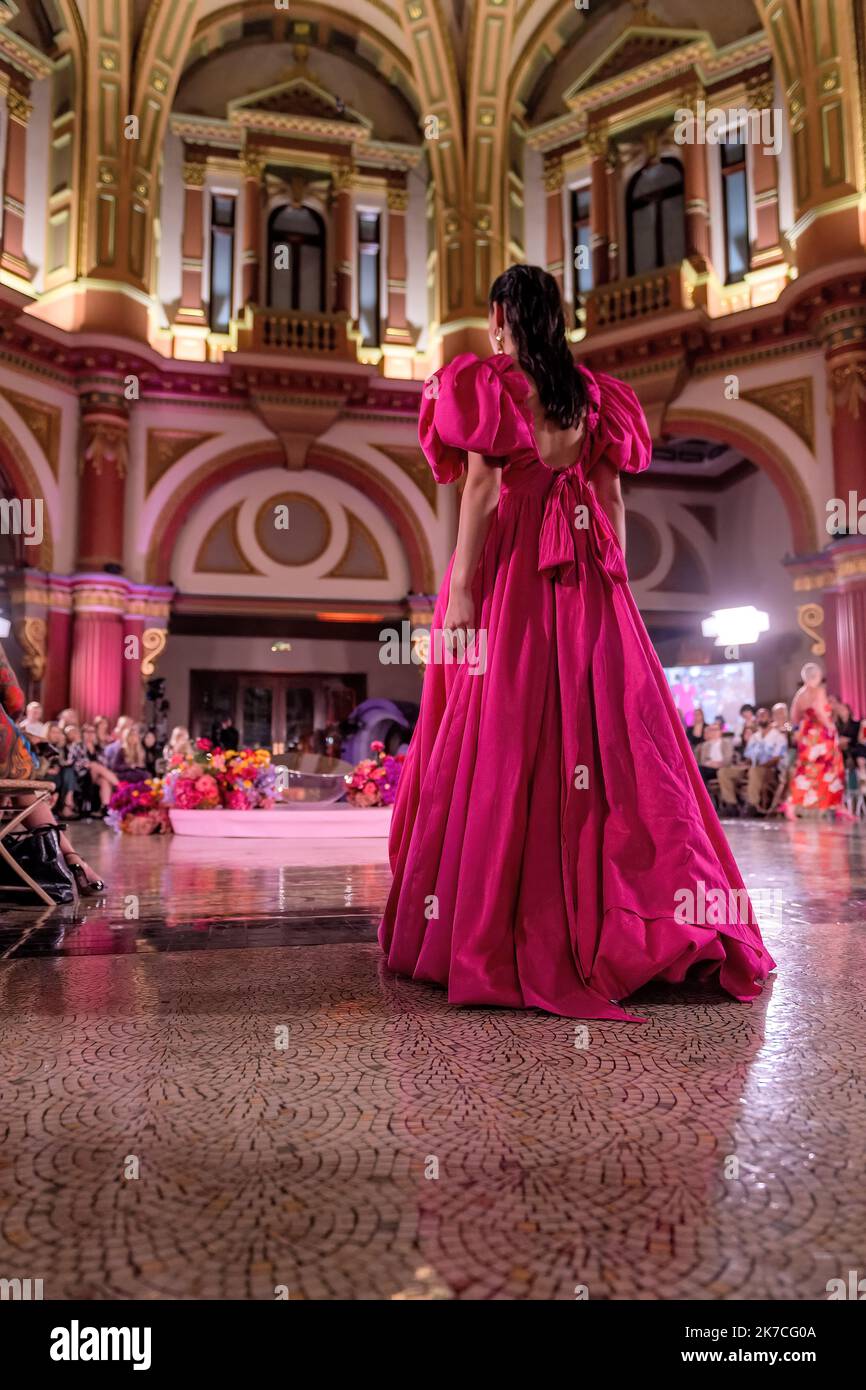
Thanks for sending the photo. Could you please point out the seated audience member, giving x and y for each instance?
(179, 743)
(851, 736)
(745, 728)
(695, 731)
(714, 752)
(151, 751)
(103, 779)
(53, 766)
(765, 751)
(33, 722)
(68, 716)
(103, 732)
(125, 756)
(76, 766)
(225, 735)
(17, 762)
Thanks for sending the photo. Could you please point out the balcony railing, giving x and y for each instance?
(629, 301)
(296, 332)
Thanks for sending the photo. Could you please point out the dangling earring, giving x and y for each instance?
(500, 338)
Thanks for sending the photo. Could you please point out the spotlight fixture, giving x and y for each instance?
(735, 627)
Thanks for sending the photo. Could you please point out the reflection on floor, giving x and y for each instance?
(234, 1122)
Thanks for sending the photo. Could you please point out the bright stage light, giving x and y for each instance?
(735, 627)
(5, 628)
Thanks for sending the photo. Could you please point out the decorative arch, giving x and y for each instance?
(684, 422)
(252, 458)
(328, 459)
(212, 25)
(168, 32)
(24, 481)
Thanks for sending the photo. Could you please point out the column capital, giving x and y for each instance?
(343, 178)
(194, 172)
(19, 108)
(597, 140)
(398, 199)
(553, 176)
(760, 91)
(252, 164)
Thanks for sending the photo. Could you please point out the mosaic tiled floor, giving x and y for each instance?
(299, 1119)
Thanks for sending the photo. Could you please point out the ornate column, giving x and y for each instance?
(851, 632)
(831, 588)
(58, 646)
(102, 469)
(41, 610)
(397, 329)
(344, 182)
(18, 108)
(611, 169)
(555, 246)
(96, 676)
(842, 330)
(253, 166)
(697, 200)
(191, 307)
(766, 248)
(133, 655)
(598, 209)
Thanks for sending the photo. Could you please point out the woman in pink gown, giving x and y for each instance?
(552, 843)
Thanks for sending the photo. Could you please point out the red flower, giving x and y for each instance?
(204, 744)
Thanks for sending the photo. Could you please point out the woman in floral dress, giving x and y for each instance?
(818, 779)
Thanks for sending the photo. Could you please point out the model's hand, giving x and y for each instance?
(460, 613)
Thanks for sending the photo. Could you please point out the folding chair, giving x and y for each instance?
(12, 819)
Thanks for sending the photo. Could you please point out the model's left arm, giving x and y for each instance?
(606, 485)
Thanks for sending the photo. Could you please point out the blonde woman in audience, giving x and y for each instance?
(179, 743)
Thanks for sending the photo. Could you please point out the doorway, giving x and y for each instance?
(276, 712)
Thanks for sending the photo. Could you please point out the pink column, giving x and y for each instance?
(191, 307)
(58, 645)
(133, 655)
(598, 207)
(96, 676)
(850, 608)
(555, 243)
(344, 178)
(252, 165)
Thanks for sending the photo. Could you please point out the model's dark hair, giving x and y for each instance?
(536, 321)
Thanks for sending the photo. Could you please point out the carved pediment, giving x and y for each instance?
(298, 98)
(639, 43)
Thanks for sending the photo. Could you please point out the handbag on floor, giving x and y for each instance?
(39, 854)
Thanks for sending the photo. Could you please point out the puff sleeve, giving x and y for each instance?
(620, 430)
(473, 406)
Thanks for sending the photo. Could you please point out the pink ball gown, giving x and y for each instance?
(550, 821)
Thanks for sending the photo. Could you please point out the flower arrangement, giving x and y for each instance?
(136, 808)
(374, 780)
(210, 777)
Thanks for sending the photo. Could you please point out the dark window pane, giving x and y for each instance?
(222, 260)
(643, 237)
(733, 153)
(369, 269)
(673, 214)
(296, 259)
(736, 225)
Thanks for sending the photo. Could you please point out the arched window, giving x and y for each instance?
(656, 210)
(296, 259)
